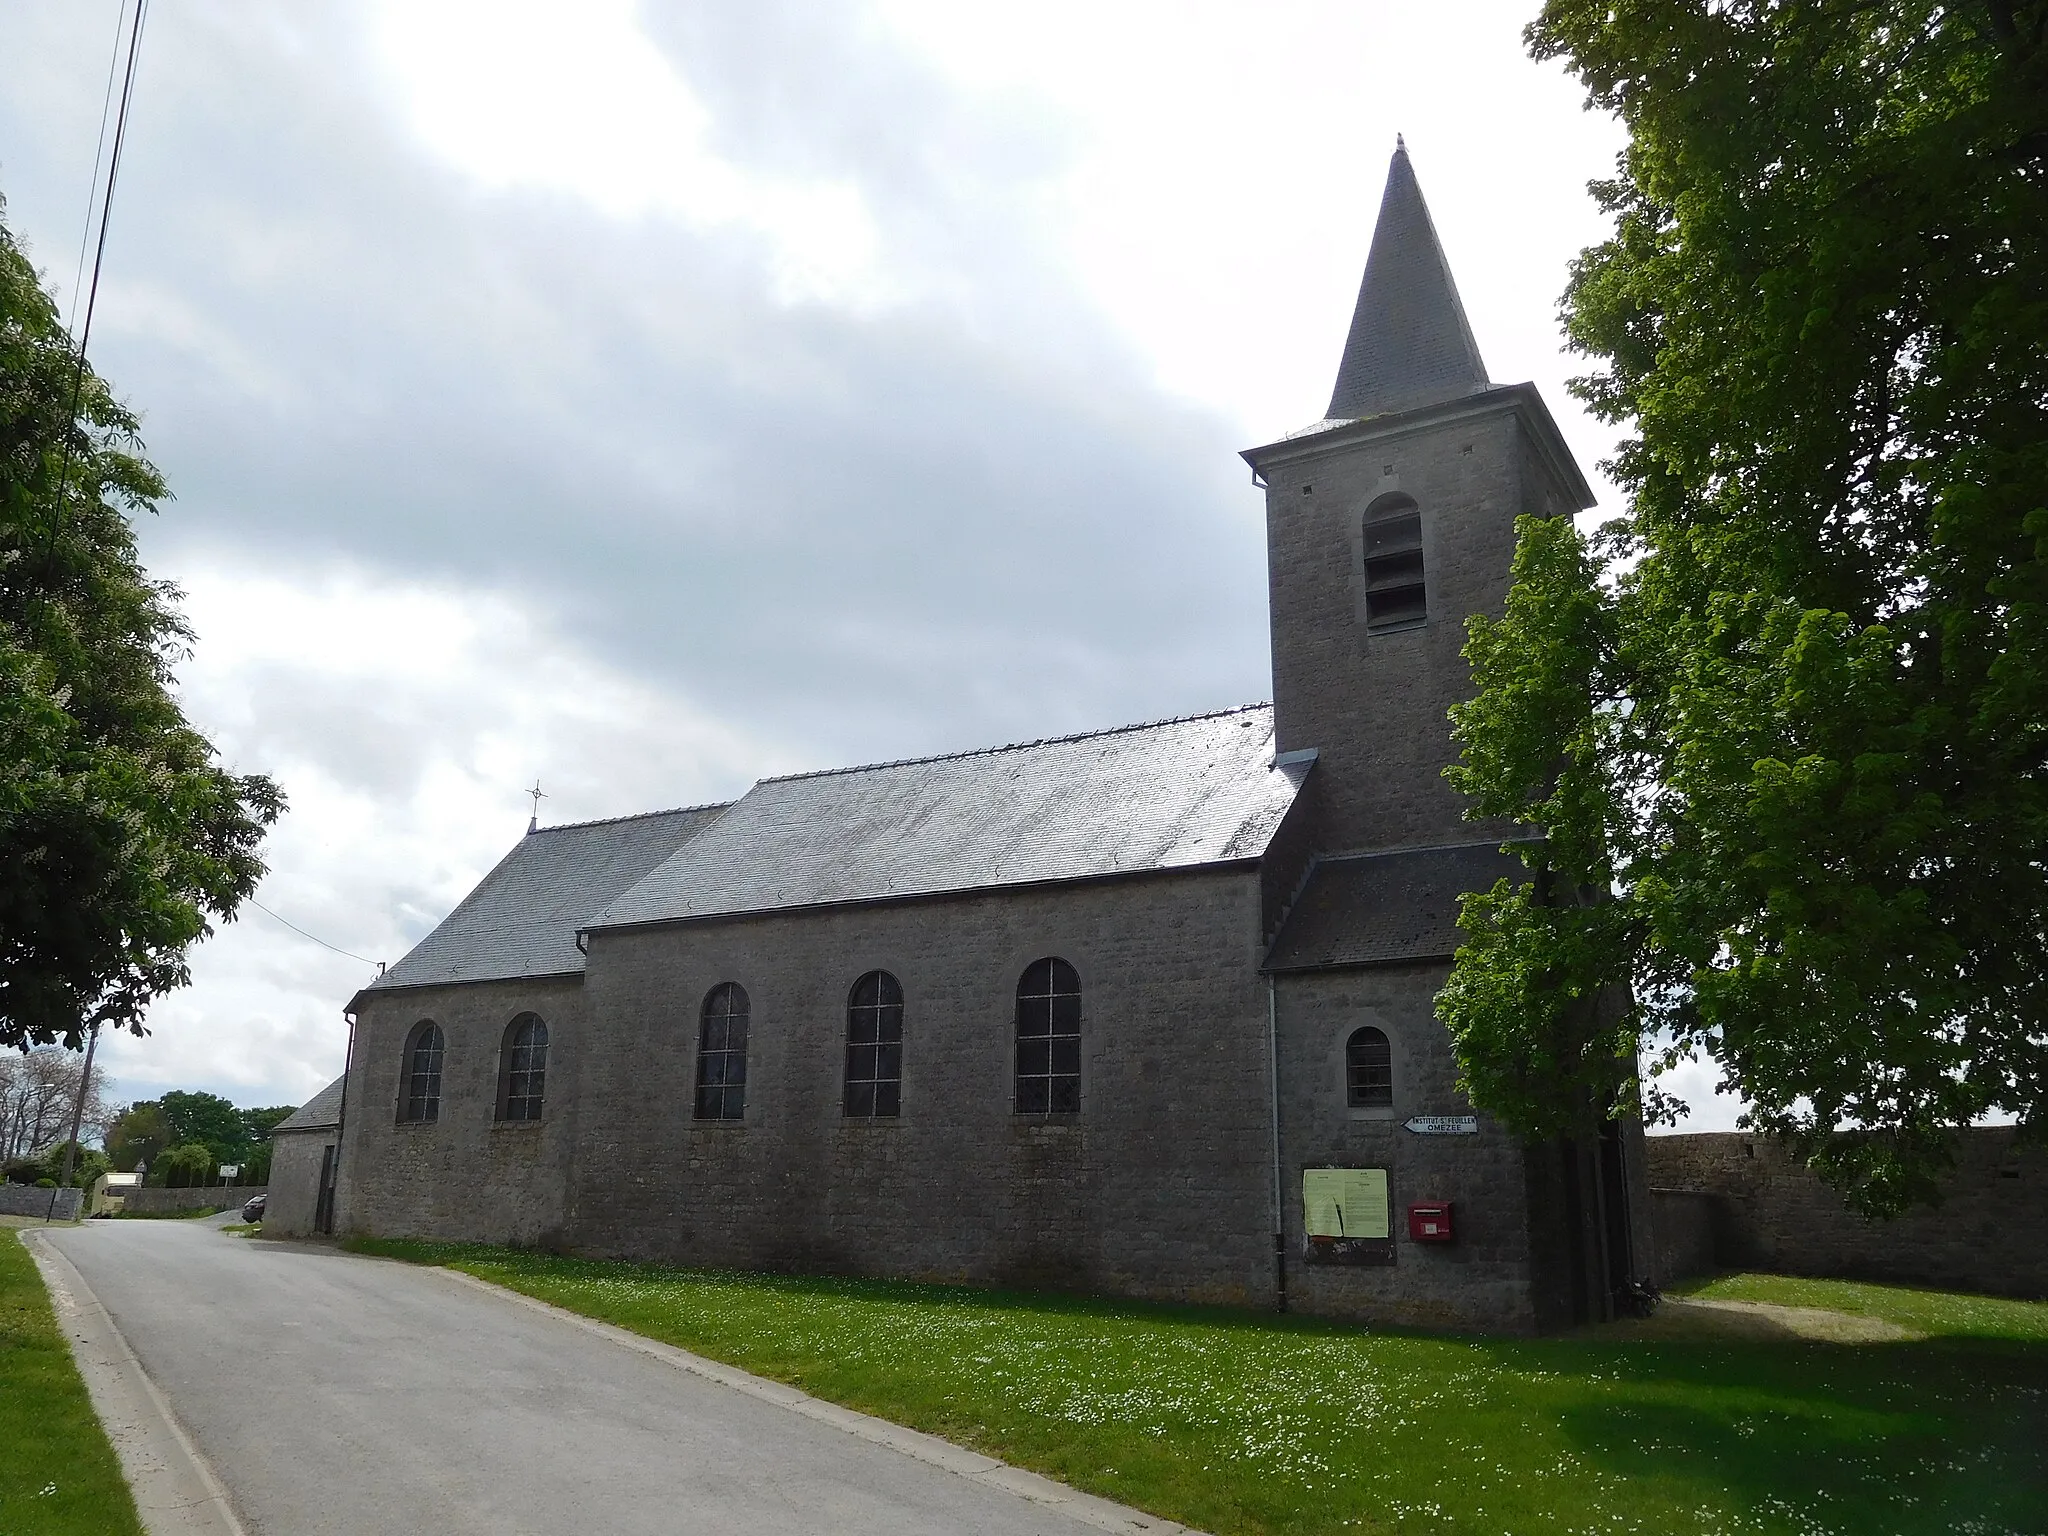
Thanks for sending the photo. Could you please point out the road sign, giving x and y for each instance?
(1445, 1125)
(230, 1170)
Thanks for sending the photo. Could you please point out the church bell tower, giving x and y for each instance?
(1388, 523)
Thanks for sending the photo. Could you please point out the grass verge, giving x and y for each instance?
(1937, 1314)
(58, 1473)
(192, 1215)
(1240, 1422)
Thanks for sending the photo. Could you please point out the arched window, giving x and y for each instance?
(874, 1046)
(1394, 594)
(1368, 1070)
(421, 1097)
(524, 1080)
(722, 1054)
(1048, 1039)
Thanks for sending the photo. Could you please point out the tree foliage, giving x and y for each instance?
(1785, 724)
(121, 838)
(183, 1167)
(138, 1135)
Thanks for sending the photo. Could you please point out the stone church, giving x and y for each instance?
(1145, 1011)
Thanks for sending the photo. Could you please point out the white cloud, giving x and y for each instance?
(578, 100)
(404, 722)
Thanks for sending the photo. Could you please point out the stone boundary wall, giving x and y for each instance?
(158, 1202)
(27, 1200)
(1763, 1209)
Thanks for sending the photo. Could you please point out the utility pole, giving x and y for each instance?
(92, 1043)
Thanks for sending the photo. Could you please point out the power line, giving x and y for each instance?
(99, 151)
(99, 257)
(295, 928)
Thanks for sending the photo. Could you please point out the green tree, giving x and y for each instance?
(183, 1167)
(1785, 723)
(208, 1120)
(257, 1124)
(121, 838)
(138, 1135)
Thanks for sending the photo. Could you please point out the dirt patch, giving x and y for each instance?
(1695, 1317)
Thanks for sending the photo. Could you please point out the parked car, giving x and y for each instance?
(252, 1208)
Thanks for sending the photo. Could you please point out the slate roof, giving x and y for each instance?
(1172, 794)
(319, 1113)
(1380, 908)
(1410, 344)
(523, 918)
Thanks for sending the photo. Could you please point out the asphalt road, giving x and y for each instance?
(333, 1393)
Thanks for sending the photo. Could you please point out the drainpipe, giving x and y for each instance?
(1279, 1198)
(348, 1066)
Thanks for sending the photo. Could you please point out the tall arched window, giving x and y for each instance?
(1368, 1070)
(1395, 597)
(420, 1098)
(1048, 1039)
(722, 1054)
(524, 1074)
(874, 1046)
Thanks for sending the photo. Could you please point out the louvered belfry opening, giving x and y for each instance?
(1395, 596)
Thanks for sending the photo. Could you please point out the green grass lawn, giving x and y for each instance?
(58, 1475)
(1244, 1422)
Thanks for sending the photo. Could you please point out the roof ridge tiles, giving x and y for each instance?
(1020, 746)
(609, 821)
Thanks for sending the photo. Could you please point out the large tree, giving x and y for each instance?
(122, 839)
(1784, 723)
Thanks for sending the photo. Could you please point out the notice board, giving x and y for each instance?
(1346, 1217)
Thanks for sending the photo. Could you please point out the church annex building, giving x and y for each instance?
(1144, 1011)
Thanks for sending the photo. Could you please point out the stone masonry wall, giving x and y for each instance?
(295, 1160)
(1156, 1188)
(466, 1175)
(27, 1200)
(1375, 706)
(1990, 1232)
(1483, 1279)
(163, 1202)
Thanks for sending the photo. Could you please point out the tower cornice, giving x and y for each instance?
(1524, 401)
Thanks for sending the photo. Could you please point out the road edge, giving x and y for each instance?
(1089, 1509)
(176, 1493)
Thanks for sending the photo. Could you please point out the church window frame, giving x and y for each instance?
(523, 1070)
(426, 1052)
(722, 1026)
(874, 1048)
(1395, 573)
(1368, 1069)
(1048, 1039)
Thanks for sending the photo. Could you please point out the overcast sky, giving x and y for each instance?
(647, 398)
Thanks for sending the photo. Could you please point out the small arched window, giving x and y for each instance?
(1368, 1070)
(1048, 1039)
(1395, 597)
(874, 1046)
(421, 1098)
(523, 1088)
(722, 1054)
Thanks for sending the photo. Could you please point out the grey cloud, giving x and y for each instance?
(873, 534)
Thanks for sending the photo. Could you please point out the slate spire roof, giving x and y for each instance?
(1409, 344)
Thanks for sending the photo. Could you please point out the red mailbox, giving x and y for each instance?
(1430, 1222)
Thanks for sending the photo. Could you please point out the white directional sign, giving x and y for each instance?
(230, 1170)
(1445, 1125)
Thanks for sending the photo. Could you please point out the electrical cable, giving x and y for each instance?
(99, 151)
(99, 257)
(295, 928)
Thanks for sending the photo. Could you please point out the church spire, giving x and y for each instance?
(1409, 343)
